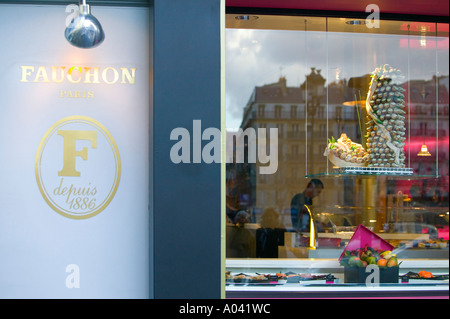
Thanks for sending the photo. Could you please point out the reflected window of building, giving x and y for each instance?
(293, 111)
(338, 112)
(321, 114)
(278, 110)
(261, 110)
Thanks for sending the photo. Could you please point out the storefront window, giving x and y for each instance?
(315, 84)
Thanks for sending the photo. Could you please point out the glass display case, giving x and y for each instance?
(361, 116)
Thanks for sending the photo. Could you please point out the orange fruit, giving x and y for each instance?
(382, 262)
(425, 274)
(392, 262)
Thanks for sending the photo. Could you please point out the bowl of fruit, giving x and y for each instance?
(367, 264)
(368, 258)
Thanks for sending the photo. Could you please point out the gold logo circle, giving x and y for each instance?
(78, 167)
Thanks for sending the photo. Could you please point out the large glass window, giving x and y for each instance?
(315, 91)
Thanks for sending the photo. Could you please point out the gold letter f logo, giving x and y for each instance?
(70, 153)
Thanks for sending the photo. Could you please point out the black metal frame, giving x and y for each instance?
(334, 14)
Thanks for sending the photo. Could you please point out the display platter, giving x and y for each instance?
(395, 171)
(276, 279)
(256, 279)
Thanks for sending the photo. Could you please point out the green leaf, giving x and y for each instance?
(332, 140)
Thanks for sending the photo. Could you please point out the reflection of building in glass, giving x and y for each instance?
(304, 126)
(429, 124)
(306, 116)
(427, 103)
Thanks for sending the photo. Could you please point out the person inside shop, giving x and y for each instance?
(270, 235)
(299, 213)
(232, 199)
(415, 196)
(241, 241)
(437, 199)
(237, 191)
(270, 218)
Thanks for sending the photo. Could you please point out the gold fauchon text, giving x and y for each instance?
(77, 74)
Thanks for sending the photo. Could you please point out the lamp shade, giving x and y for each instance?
(84, 30)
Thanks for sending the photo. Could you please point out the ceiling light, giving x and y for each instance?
(356, 22)
(424, 151)
(246, 17)
(84, 30)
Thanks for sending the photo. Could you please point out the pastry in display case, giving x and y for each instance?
(410, 239)
(278, 278)
(345, 153)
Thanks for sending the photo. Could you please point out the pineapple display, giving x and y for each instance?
(385, 127)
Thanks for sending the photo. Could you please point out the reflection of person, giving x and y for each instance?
(416, 201)
(232, 196)
(416, 196)
(270, 219)
(242, 217)
(240, 240)
(299, 213)
(436, 198)
(270, 235)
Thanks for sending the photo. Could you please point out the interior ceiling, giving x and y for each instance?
(300, 23)
(407, 7)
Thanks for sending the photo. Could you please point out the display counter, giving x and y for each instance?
(245, 242)
(337, 290)
(337, 287)
(438, 253)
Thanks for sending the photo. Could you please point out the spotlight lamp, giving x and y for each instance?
(84, 30)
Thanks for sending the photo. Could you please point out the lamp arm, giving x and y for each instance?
(312, 230)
